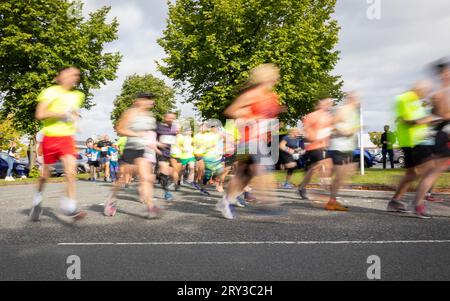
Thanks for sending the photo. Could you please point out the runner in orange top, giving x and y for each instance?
(317, 127)
(252, 110)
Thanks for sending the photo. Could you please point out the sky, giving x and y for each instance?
(385, 46)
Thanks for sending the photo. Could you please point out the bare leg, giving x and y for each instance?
(146, 180)
(239, 181)
(69, 163)
(43, 178)
(431, 175)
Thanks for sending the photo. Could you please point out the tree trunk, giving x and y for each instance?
(32, 152)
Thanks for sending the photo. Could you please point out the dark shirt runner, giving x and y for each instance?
(163, 129)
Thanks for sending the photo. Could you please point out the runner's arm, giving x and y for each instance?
(42, 111)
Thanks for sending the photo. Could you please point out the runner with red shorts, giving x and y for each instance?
(58, 110)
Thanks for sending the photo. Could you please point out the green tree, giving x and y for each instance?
(8, 133)
(375, 138)
(212, 44)
(39, 37)
(164, 95)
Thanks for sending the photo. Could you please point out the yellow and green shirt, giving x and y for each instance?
(408, 106)
(61, 100)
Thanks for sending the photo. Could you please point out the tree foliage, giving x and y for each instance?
(164, 95)
(212, 44)
(40, 37)
(375, 138)
(8, 133)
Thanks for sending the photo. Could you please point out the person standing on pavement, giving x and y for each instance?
(10, 159)
(387, 142)
(58, 109)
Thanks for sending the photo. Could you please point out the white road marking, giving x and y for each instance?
(340, 242)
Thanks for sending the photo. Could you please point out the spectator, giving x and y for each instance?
(10, 159)
(387, 142)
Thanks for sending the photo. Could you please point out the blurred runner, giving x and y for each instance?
(137, 123)
(185, 157)
(317, 127)
(93, 156)
(344, 140)
(113, 156)
(213, 156)
(58, 108)
(167, 136)
(253, 110)
(199, 142)
(413, 138)
(103, 146)
(441, 150)
(121, 142)
(292, 147)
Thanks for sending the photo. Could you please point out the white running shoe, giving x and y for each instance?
(36, 210)
(224, 207)
(9, 179)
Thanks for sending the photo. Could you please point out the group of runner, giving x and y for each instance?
(175, 154)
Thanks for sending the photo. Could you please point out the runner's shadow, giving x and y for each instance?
(49, 212)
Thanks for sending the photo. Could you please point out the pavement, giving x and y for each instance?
(191, 241)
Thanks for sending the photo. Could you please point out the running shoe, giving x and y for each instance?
(77, 215)
(110, 208)
(36, 211)
(153, 212)
(249, 197)
(433, 199)
(203, 191)
(224, 207)
(241, 201)
(238, 202)
(287, 185)
(421, 212)
(168, 196)
(171, 186)
(333, 205)
(227, 211)
(397, 206)
(195, 186)
(303, 195)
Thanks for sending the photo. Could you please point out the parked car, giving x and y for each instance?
(399, 157)
(57, 169)
(369, 158)
(20, 169)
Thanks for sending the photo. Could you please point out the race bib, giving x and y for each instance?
(167, 139)
(104, 149)
(114, 157)
(94, 156)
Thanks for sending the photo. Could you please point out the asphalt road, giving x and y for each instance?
(192, 242)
